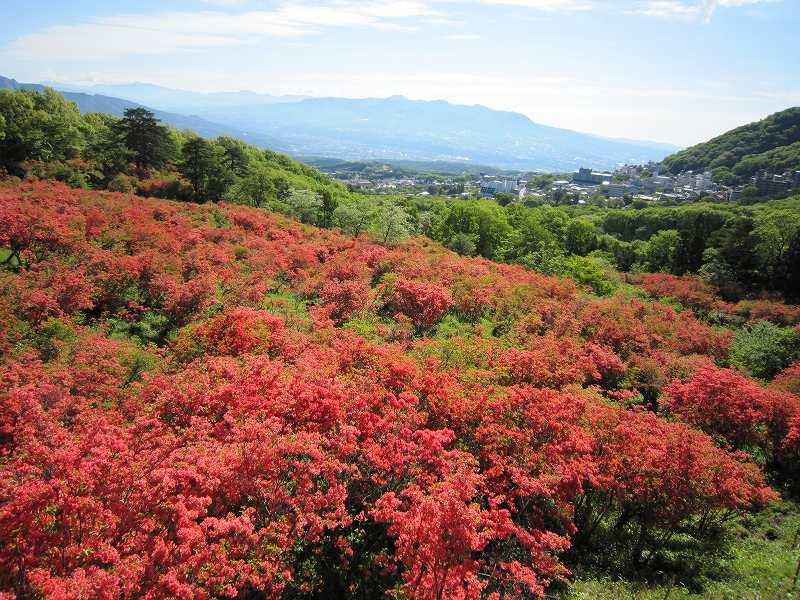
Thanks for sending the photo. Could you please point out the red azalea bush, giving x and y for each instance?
(188, 409)
(788, 379)
(424, 303)
(725, 403)
(691, 292)
(769, 310)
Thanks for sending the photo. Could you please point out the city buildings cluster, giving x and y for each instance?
(646, 182)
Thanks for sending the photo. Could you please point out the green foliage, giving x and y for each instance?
(305, 205)
(661, 250)
(256, 188)
(37, 127)
(760, 564)
(463, 243)
(580, 237)
(152, 327)
(772, 144)
(484, 221)
(593, 271)
(203, 165)
(392, 224)
(150, 144)
(354, 217)
(763, 349)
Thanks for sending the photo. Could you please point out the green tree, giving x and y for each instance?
(763, 349)
(38, 126)
(776, 232)
(661, 250)
(329, 204)
(504, 198)
(234, 155)
(282, 188)
(484, 221)
(256, 188)
(202, 165)
(306, 205)
(463, 243)
(391, 225)
(581, 237)
(150, 144)
(592, 271)
(354, 217)
(104, 147)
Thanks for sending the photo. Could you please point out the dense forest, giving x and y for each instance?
(772, 144)
(226, 375)
(742, 249)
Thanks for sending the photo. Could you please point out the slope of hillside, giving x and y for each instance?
(212, 400)
(90, 103)
(400, 128)
(772, 144)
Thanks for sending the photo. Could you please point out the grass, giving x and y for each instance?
(761, 566)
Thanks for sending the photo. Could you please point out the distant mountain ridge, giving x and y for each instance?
(116, 106)
(771, 144)
(180, 101)
(396, 128)
(399, 128)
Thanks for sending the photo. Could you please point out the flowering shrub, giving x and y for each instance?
(724, 403)
(788, 379)
(691, 292)
(423, 303)
(214, 401)
(769, 310)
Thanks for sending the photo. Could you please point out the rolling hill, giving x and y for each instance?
(772, 144)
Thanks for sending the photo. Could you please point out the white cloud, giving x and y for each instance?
(668, 9)
(112, 37)
(464, 37)
(689, 10)
(226, 3)
(546, 5)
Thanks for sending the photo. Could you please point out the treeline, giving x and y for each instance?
(43, 135)
(742, 250)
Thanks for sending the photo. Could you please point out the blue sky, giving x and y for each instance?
(675, 71)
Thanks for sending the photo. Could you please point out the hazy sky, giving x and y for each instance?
(675, 71)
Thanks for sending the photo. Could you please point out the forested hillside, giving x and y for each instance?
(211, 400)
(772, 144)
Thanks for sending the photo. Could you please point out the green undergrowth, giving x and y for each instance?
(760, 565)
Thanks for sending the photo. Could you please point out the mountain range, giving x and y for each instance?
(179, 101)
(394, 128)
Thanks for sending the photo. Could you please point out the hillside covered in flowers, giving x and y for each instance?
(212, 400)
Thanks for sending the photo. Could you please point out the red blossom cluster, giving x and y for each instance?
(725, 403)
(189, 409)
(424, 303)
(701, 297)
(691, 292)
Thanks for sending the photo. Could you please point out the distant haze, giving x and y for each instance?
(677, 71)
(387, 128)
